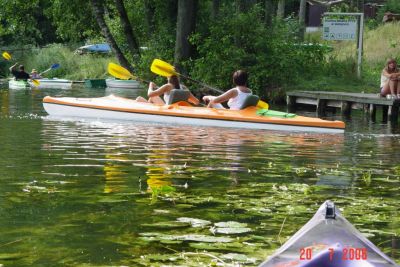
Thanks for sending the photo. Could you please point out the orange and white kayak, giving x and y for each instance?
(119, 108)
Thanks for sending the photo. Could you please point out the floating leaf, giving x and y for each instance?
(167, 225)
(230, 224)
(194, 222)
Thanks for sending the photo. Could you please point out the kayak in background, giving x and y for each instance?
(128, 84)
(53, 83)
(181, 112)
(18, 84)
(328, 240)
(94, 48)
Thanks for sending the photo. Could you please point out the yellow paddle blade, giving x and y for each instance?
(262, 104)
(6, 56)
(162, 68)
(36, 83)
(119, 72)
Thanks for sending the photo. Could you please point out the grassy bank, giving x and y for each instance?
(340, 73)
(72, 66)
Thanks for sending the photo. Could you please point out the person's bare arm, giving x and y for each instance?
(151, 92)
(224, 97)
(13, 66)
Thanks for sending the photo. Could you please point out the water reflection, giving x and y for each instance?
(91, 185)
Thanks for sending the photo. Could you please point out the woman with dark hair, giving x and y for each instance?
(235, 96)
(154, 93)
(390, 84)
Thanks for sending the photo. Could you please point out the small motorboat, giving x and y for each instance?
(328, 240)
(127, 84)
(18, 84)
(52, 83)
(181, 112)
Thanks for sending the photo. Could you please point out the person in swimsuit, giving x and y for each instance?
(390, 84)
(235, 96)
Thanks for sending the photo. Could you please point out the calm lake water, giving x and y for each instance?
(102, 193)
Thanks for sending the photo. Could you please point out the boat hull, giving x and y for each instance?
(128, 84)
(18, 85)
(53, 83)
(118, 108)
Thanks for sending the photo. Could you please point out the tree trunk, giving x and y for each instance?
(281, 9)
(186, 22)
(98, 10)
(302, 19)
(149, 13)
(127, 28)
(244, 5)
(269, 11)
(215, 9)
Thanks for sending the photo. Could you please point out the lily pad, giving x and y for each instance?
(231, 230)
(230, 224)
(194, 222)
(167, 225)
(238, 257)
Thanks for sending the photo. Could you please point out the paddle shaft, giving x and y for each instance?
(202, 84)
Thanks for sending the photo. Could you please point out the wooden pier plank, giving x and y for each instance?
(346, 102)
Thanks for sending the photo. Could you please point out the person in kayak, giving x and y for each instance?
(35, 74)
(154, 93)
(19, 74)
(390, 84)
(235, 96)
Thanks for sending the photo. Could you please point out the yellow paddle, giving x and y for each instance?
(8, 57)
(165, 69)
(121, 73)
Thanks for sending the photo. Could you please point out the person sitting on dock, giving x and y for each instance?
(235, 96)
(154, 93)
(19, 74)
(35, 74)
(390, 84)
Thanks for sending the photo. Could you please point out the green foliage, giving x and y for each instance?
(23, 22)
(73, 66)
(270, 55)
(392, 6)
(73, 19)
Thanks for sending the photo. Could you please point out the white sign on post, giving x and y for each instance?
(339, 29)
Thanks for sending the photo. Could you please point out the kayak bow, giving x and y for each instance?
(328, 240)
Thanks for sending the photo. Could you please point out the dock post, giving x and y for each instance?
(393, 112)
(321, 107)
(372, 112)
(345, 108)
(385, 111)
(291, 103)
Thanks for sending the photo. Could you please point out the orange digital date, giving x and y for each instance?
(348, 254)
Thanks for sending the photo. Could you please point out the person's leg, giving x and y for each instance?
(141, 99)
(398, 88)
(392, 86)
(385, 90)
(156, 100)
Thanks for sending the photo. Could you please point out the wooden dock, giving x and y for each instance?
(345, 102)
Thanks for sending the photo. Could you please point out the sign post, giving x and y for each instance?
(345, 29)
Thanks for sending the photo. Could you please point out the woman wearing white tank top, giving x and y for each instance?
(235, 96)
